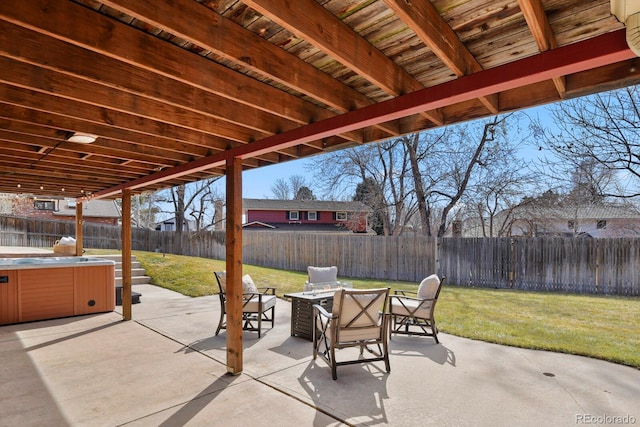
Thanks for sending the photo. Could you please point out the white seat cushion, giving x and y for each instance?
(350, 310)
(323, 274)
(409, 305)
(253, 306)
(429, 286)
(248, 286)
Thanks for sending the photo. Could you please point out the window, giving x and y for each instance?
(312, 216)
(341, 216)
(601, 224)
(294, 215)
(571, 225)
(45, 205)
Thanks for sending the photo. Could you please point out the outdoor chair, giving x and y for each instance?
(258, 304)
(322, 277)
(358, 319)
(412, 313)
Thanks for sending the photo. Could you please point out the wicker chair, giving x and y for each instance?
(412, 313)
(358, 319)
(258, 304)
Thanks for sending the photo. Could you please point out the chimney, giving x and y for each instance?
(218, 215)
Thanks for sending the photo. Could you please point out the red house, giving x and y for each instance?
(305, 215)
(59, 208)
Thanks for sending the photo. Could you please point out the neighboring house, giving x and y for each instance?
(170, 225)
(59, 208)
(305, 215)
(598, 221)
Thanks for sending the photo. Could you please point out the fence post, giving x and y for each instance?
(598, 252)
(511, 264)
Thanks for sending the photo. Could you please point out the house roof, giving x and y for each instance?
(175, 90)
(91, 208)
(595, 212)
(304, 205)
(302, 227)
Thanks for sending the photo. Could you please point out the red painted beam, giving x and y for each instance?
(595, 52)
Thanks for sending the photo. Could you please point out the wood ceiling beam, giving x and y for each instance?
(117, 76)
(592, 53)
(209, 30)
(124, 130)
(316, 25)
(48, 167)
(56, 160)
(117, 125)
(425, 20)
(72, 88)
(75, 24)
(538, 24)
(88, 29)
(100, 181)
(49, 136)
(99, 69)
(59, 154)
(624, 74)
(22, 123)
(31, 185)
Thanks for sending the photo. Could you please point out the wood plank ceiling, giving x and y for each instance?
(173, 87)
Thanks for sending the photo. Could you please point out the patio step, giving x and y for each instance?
(138, 277)
(138, 273)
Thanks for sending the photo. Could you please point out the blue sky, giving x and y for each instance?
(257, 183)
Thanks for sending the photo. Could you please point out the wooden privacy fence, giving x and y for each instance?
(391, 258)
(595, 266)
(33, 232)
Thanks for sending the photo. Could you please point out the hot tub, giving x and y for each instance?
(47, 288)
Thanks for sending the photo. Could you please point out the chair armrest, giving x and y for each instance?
(261, 291)
(405, 293)
(411, 298)
(320, 310)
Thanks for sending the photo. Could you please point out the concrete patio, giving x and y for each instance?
(167, 368)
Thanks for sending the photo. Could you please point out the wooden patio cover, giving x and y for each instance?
(180, 90)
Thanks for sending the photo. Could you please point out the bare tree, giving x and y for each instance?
(386, 164)
(453, 166)
(602, 128)
(144, 209)
(495, 195)
(422, 175)
(195, 203)
(297, 182)
(424, 179)
(283, 189)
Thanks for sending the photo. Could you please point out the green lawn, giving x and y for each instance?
(601, 327)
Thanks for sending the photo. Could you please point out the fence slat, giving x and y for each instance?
(595, 266)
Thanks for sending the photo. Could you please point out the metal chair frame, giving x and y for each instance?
(413, 323)
(331, 332)
(248, 317)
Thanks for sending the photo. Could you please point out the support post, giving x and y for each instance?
(126, 254)
(79, 235)
(234, 264)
